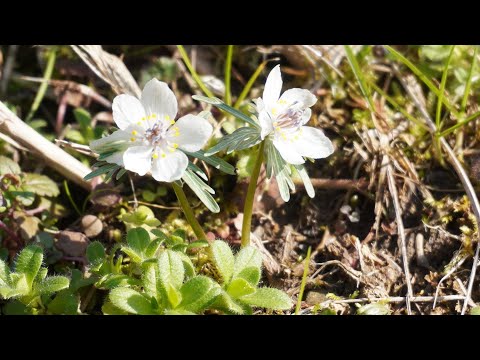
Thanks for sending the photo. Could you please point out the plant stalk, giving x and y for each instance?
(248, 208)
(187, 210)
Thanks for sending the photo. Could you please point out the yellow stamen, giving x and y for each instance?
(175, 146)
(282, 102)
(132, 139)
(144, 118)
(274, 111)
(155, 156)
(164, 155)
(139, 123)
(154, 116)
(134, 132)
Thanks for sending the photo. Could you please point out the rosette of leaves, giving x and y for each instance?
(167, 287)
(240, 276)
(248, 136)
(27, 285)
(194, 177)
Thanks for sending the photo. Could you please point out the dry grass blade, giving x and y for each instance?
(401, 234)
(109, 68)
(53, 156)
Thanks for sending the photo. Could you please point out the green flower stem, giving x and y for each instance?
(248, 208)
(187, 210)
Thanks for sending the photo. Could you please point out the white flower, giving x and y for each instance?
(283, 119)
(149, 139)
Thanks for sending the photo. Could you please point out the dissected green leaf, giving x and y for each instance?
(202, 190)
(269, 298)
(215, 161)
(130, 301)
(198, 293)
(40, 184)
(241, 139)
(223, 259)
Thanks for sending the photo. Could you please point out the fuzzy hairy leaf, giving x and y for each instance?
(65, 303)
(153, 247)
(130, 301)
(198, 293)
(52, 284)
(29, 262)
(240, 287)
(269, 298)
(8, 166)
(138, 240)
(251, 274)
(113, 281)
(246, 258)
(225, 303)
(4, 274)
(95, 253)
(171, 269)
(40, 184)
(223, 259)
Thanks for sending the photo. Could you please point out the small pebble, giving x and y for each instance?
(91, 226)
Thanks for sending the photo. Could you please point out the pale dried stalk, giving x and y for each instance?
(109, 68)
(467, 185)
(52, 155)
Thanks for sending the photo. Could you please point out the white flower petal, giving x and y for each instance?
(127, 110)
(190, 133)
(138, 159)
(117, 141)
(273, 87)
(288, 152)
(157, 98)
(265, 123)
(171, 167)
(312, 143)
(307, 114)
(299, 95)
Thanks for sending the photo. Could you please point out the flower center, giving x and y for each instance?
(156, 134)
(290, 117)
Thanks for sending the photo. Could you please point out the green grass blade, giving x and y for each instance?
(463, 105)
(422, 77)
(228, 75)
(69, 195)
(47, 75)
(249, 84)
(397, 106)
(460, 124)
(304, 281)
(194, 74)
(442, 88)
(359, 76)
